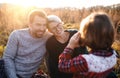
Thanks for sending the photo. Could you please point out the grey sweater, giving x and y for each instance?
(24, 53)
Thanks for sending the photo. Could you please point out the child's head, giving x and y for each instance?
(97, 31)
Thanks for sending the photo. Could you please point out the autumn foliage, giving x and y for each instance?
(15, 17)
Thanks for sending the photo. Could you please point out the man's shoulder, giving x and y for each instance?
(17, 32)
(20, 30)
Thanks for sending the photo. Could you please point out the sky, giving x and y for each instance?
(61, 3)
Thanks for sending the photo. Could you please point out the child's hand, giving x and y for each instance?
(74, 41)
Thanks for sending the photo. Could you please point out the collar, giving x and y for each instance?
(104, 53)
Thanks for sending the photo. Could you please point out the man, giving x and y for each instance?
(26, 47)
(59, 40)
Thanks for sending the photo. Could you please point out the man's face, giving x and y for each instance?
(38, 26)
(55, 28)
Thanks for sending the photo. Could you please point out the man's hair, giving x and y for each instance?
(98, 31)
(34, 13)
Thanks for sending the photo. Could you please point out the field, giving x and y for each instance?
(11, 20)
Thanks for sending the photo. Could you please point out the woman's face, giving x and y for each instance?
(55, 28)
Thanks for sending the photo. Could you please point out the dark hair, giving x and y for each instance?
(98, 31)
(34, 13)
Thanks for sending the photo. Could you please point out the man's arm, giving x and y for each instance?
(10, 54)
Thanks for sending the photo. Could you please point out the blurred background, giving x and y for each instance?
(13, 15)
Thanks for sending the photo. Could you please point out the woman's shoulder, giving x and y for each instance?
(71, 30)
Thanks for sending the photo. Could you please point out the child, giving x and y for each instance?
(97, 33)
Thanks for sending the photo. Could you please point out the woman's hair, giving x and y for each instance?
(98, 31)
(34, 13)
(54, 18)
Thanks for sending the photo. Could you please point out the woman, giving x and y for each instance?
(56, 44)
